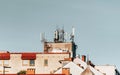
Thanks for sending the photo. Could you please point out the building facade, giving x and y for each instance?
(39, 62)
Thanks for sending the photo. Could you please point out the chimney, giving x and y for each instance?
(30, 71)
(66, 71)
(84, 58)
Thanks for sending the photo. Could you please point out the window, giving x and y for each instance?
(6, 62)
(46, 62)
(28, 63)
(1, 62)
(32, 62)
(25, 62)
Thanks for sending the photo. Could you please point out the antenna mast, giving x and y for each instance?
(72, 34)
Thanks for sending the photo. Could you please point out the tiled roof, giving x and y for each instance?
(87, 71)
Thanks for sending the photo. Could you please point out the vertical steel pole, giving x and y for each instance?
(3, 70)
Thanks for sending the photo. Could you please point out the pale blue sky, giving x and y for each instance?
(96, 21)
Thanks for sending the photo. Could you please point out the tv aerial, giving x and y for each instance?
(42, 35)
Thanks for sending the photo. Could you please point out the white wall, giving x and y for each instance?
(107, 69)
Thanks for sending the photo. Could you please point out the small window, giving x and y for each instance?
(32, 62)
(25, 62)
(6, 62)
(46, 62)
(28, 63)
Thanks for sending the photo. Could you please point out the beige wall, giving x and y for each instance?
(53, 62)
(16, 65)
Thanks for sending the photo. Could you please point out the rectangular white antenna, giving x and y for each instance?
(73, 31)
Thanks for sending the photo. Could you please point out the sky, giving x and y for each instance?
(96, 22)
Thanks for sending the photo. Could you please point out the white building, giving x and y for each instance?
(107, 69)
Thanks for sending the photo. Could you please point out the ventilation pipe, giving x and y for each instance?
(84, 58)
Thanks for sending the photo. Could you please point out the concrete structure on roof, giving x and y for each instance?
(46, 62)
